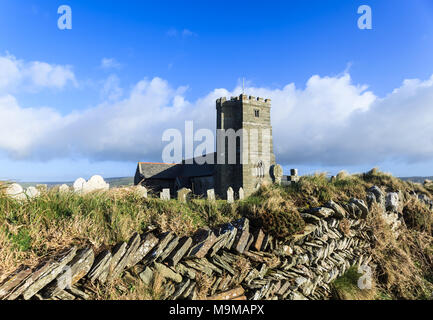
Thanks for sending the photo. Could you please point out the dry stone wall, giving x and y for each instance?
(239, 261)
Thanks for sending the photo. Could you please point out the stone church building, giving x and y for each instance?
(244, 112)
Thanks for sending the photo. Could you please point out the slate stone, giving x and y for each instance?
(167, 272)
(185, 271)
(12, 286)
(266, 240)
(242, 235)
(378, 193)
(322, 212)
(76, 269)
(148, 242)
(170, 247)
(180, 289)
(164, 240)
(250, 242)
(339, 212)
(117, 253)
(309, 228)
(259, 235)
(202, 241)
(133, 244)
(231, 230)
(44, 276)
(361, 205)
(78, 293)
(220, 242)
(228, 295)
(180, 251)
(64, 295)
(100, 266)
(146, 276)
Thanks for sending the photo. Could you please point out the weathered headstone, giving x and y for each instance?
(78, 185)
(277, 173)
(294, 175)
(32, 192)
(241, 194)
(165, 194)
(141, 191)
(95, 183)
(15, 191)
(230, 197)
(211, 195)
(183, 194)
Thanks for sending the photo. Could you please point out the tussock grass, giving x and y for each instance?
(346, 287)
(30, 230)
(404, 264)
(36, 228)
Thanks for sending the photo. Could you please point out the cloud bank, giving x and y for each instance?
(331, 121)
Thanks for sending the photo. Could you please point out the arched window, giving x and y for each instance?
(260, 170)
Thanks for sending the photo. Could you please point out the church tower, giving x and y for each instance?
(244, 155)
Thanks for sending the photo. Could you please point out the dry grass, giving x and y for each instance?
(34, 229)
(417, 216)
(203, 285)
(346, 287)
(30, 230)
(403, 264)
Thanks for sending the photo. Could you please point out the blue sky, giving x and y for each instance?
(192, 51)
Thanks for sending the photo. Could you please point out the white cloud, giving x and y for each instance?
(172, 32)
(111, 89)
(18, 75)
(109, 63)
(329, 122)
(188, 33)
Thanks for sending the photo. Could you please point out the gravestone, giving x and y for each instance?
(230, 197)
(32, 192)
(165, 194)
(211, 195)
(15, 191)
(277, 173)
(141, 191)
(241, 194)
(182, 194)
(294, 175)
(95, 183)
(78, 185)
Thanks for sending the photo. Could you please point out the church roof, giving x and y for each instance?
(151, 170)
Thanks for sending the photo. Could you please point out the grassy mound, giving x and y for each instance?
(33, 229)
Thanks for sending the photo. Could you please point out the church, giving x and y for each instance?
(255, 159)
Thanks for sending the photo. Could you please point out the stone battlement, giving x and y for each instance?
(244, 97)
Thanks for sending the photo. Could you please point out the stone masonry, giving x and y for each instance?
(241, 261)
(248, 113)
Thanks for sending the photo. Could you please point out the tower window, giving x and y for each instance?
(256, 113)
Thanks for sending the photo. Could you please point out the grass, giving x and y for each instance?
(346, 287)
(41, 226)
(33, 229)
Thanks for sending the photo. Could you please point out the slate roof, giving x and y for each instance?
(158, 170)
(149, 170)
